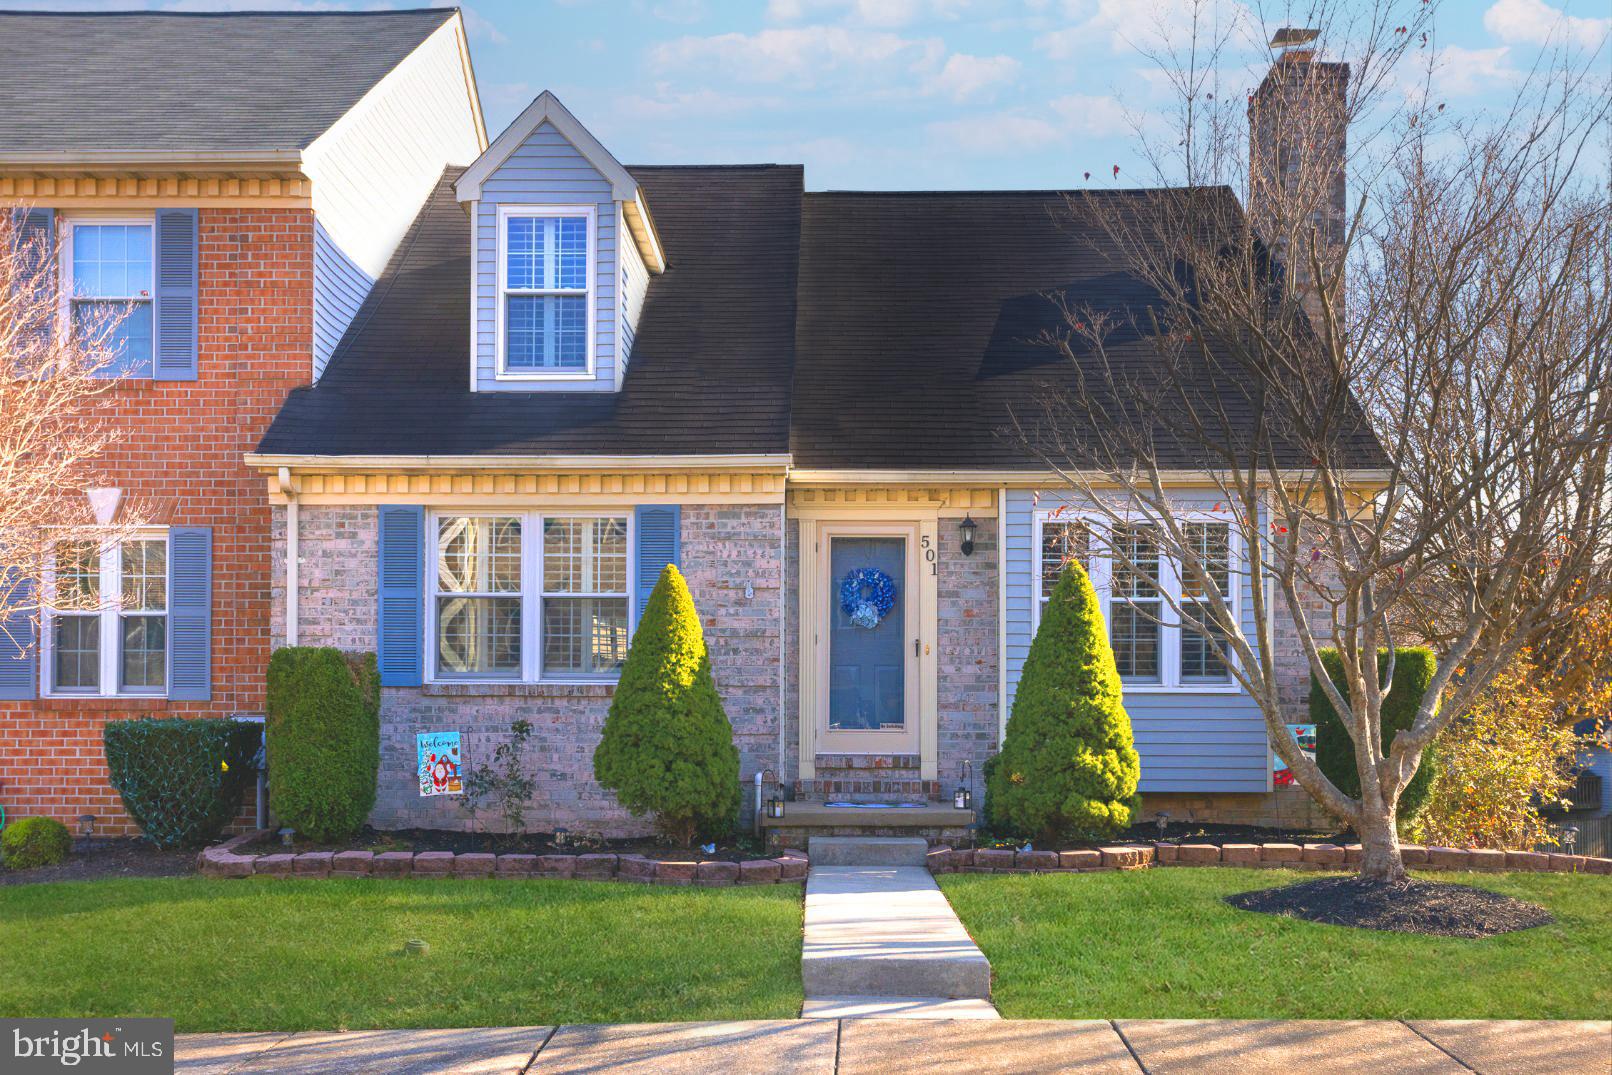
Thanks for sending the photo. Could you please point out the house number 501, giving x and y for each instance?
(929, 554)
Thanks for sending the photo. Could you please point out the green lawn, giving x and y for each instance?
(263, 954)
(1161, 944)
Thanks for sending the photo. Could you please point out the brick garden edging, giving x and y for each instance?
(1271, 855)
(223, 860)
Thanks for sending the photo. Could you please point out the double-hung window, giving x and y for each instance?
(545, 301)
(531, 596)
(107, 278)
(1140, 591)
(106, 617)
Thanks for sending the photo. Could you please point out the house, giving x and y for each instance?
(237, 183)
(573, 372)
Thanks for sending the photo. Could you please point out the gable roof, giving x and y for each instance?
(856, 331)
(711, 362)
(139, 84)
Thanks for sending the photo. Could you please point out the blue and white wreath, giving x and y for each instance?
(867, 595)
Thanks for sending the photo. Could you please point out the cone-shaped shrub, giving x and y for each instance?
(1414, 667)
(1068, 767)
(667, 748)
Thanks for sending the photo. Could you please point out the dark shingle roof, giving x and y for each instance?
(914, 345)
(710, 366)
(204, 83)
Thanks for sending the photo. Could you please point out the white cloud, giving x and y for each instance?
(1094, 117)
(889, 14)
(802, 57)
(1534, 22)
(995, 134)
(1127, 25)
(666, 103)
(964, 76)
(1459, 72)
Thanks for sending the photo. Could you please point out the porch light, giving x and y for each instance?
(86, 828)
(963, 797)
(969, 528)
(775, 805)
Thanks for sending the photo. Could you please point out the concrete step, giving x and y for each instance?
(897, 1008)
(886, 931)
(867, 850)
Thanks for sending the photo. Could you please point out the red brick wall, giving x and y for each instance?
(180, 456)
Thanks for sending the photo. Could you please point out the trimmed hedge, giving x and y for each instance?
(324, 739)
(1335, 750)
(1068, 766)
(181, 780)
(35, 841)
(667, 747)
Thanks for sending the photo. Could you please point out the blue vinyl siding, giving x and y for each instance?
(339, 289)
(1188, 741)
(547, 170)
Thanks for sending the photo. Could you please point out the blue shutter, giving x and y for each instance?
(36, 241)
(659, 544)
(190, 613)
(402, 595)
(175, 305)
(19, 656)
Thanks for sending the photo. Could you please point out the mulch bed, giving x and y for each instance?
(109, 858)
(1434, 908)
(533, 843)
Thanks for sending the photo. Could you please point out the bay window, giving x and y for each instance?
(545, 307)
(1140, 591)
(529, 597)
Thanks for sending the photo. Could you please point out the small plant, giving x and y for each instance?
(324, 740)
(182, 780)
(35, 841)
(504, 784)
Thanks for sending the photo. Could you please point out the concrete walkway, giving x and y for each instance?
(881, 940)
(841, 1047)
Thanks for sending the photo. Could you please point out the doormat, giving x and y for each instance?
(874, 806)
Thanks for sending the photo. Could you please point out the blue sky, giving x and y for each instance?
(891, 94)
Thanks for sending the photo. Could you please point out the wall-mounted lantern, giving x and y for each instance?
(969, 528)
(963, 797)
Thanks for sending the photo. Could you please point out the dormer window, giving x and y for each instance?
(545, 300)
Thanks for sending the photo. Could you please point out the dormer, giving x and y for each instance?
(562, 248)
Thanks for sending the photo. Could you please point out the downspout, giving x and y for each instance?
(783, 618)
(1001, 615)
(289, 488)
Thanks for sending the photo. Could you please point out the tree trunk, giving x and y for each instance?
(1379, 841)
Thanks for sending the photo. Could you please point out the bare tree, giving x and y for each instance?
(56, 395)
(1396, 399)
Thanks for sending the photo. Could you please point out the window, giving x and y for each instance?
(1152, 649)
(107, 273)
(545, 305)
(107, 617)
(1200, 651)
(531, 596)
(1135, 603)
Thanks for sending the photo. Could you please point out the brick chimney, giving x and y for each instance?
(1297, 132)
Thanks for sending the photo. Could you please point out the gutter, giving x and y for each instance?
(517, 462)
(178, 159)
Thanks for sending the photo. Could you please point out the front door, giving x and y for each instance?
(869, 666)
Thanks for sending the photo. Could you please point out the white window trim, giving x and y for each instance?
(531, 594)
(1170, 584)
(505, 214)
(110, 614)
(64, 263)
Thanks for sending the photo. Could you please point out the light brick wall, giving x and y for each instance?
(180, 458)
(724, 548)
(968, 656)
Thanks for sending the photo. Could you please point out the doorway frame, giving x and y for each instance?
(921, 521)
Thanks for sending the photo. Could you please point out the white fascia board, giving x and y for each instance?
(517, 462)
(546, 109)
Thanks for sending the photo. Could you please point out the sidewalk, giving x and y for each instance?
(845, 1046)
